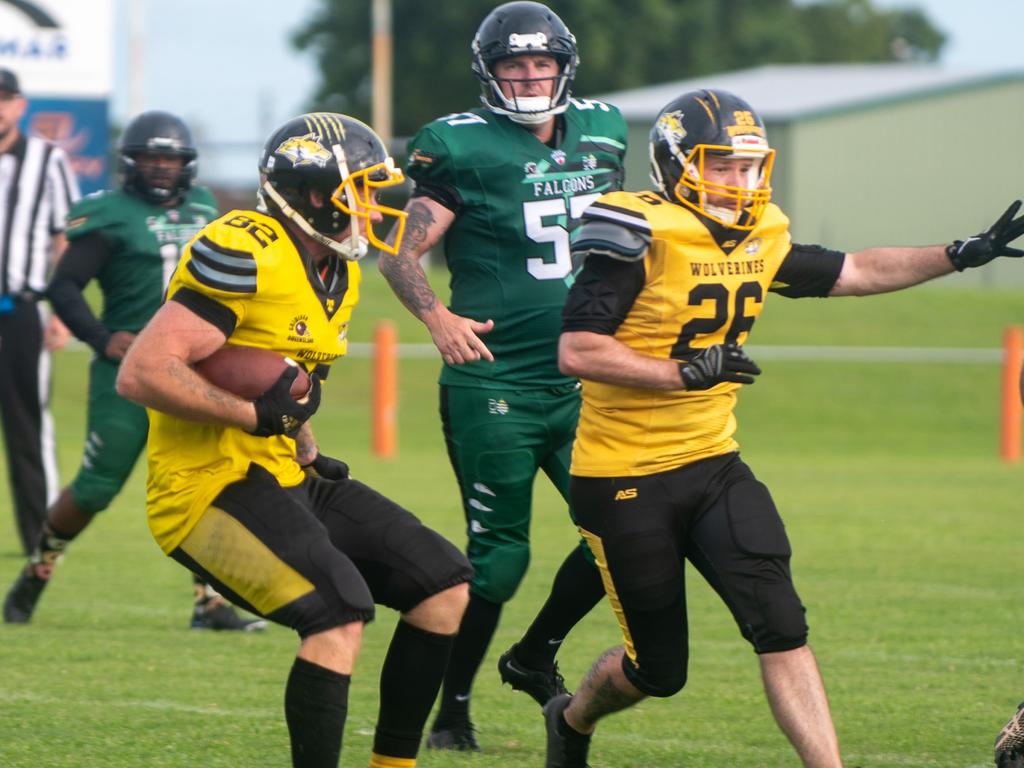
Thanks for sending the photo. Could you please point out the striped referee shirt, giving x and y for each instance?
(37, 187)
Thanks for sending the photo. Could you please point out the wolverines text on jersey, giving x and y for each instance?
(145, 241)
(694, 287)
(245, 274)
(516, 201)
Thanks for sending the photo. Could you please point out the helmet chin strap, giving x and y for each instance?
(353, 251)
(356, 244)
(725, 215)
(526, 110)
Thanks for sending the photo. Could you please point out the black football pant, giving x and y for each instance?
(713, 513)
(25, 411)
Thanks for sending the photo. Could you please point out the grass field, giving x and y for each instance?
(907, 555)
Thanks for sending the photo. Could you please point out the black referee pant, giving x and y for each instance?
(25, 408)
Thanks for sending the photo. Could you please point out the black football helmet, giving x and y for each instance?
(159, 133)
(699, 124)
(520, 28)
(347, 163)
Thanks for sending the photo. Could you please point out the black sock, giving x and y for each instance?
(576, 590)
(315, 706)
(568, 732)
(468, 652)
(49, 550)
(409, 681)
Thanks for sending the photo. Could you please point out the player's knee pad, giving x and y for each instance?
(499, 570)
(340, 586)
(783, 625)
(93, 493)
(773, 619)
(498, 496)
(299, 580)
(661, 679)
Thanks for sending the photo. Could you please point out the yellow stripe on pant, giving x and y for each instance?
(230, 552)
(597, 547)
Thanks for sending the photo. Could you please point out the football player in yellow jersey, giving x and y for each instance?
(672, 282)
(238, 491)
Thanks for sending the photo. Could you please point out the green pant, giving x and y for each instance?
(497, 440)
(116, 431)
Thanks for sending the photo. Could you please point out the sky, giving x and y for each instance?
(227, 67)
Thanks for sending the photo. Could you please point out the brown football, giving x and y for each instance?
(250, 371)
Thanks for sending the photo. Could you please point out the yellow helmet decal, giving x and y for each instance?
(305, 150)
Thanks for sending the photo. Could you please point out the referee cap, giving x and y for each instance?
(9, 82)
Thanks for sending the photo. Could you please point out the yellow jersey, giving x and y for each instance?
(246, 270)
(694, 288)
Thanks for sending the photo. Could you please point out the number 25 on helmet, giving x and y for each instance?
(696, 131)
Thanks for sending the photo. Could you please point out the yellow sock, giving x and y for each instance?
(383, 761)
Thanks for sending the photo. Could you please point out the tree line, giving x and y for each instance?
(622, 45)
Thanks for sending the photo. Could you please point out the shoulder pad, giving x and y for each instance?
(610, 239)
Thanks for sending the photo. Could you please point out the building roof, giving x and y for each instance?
(785, 92)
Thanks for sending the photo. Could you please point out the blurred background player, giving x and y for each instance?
(238, 490)
(672, 283)
(1010, 741)
(503, 184)
(129, 240)
(38, 187)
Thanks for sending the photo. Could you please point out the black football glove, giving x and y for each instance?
(278, 413)
(715, 364)
(326, 468)
(983, 247)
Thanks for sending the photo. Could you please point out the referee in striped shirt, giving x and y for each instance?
(37, 188)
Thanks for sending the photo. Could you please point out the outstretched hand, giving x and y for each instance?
(993, 242)
(716, 364)
(458, 339)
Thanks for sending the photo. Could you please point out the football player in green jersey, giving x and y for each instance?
(238, 490)
(672, 282)
(128, 240)
(504, 185)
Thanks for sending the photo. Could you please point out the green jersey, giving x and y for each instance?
(516, 201)
(145, 242)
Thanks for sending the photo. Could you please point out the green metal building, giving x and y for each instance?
(874, 154)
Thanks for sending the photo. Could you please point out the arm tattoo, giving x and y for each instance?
(403, 271)
(305, 445)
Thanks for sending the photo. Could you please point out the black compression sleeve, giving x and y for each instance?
(808, 270)
(447, 196)
(602, 295)
(84, 258)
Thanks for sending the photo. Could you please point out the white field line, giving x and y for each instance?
(975, 355)
(365, 730)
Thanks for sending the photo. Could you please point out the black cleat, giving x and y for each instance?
(21, 600)
(542, 684)
(459, 738)
(223, 617)
(564, 751)
(1010, 743)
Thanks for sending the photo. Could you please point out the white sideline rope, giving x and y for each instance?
(972, 355)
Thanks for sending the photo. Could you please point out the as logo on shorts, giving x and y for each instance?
(625, 493)
(499, 407)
